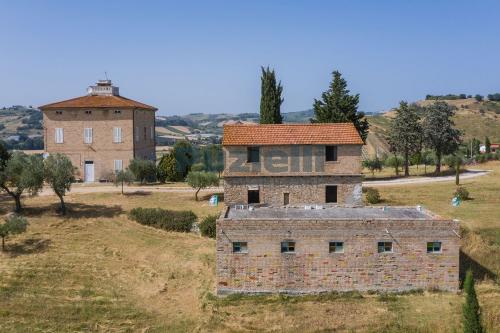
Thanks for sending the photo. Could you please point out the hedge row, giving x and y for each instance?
(181, 221)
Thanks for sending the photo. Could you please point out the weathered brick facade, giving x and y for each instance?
(281, 224)
(313, 269)
(137, 139)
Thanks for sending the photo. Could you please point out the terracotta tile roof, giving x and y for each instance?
(291, 134)
(98, 101)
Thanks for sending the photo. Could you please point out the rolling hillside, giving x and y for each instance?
(474, 119)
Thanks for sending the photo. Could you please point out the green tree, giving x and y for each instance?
(59, 174)
(208, 226)
(471, 311)
(123, 176)
(143, 170)
(394, 161)
(405, 133)
(270, 99)
(476, 147)
(22, 173)
(184, 157)
(455, 162)
(487, 145)
(427, 159)
(439, 133)
(337, 106)
(4, 156)
(13, 225)
(212, 158)
(201, 179)
(372, 165)
(478, 98)
(167, 168)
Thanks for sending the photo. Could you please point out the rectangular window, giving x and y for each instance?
(145, 134)
(336, 247)
(118, 165)
(330, 153)
(87, 135)
(240, 247)
(252, 154)
(117, 134)
(433, 247)
(286, 199)
(331, 194)
(384, 247)
(288, 247)
(59, 135)
(253, 196)
(137, 134)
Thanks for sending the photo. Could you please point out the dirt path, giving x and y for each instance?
(423, 180)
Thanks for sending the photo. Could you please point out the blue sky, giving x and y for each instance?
(205, 56)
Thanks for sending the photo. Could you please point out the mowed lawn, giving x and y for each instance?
(95, 270)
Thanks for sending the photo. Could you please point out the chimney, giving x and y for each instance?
(103, 88)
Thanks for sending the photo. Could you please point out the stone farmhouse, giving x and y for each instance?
(100, 132)
(295, 220)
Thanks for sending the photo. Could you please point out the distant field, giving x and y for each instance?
(98, 271)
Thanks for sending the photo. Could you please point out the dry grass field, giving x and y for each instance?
(96, 270)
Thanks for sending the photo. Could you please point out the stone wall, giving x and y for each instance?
(292, 160)
(313, 269)
(302, 190)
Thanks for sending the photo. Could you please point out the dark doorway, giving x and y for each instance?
(331, 194)
(253, 196)
(286, 198)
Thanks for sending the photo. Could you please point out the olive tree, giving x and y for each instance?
(13, 225)
(144, 170)
(123, 176)
(201, 179)
(59, 174)
(21, 173)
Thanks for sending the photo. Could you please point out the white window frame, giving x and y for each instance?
(384, 245)
(118, 165)
(241, 246)
(87, 135)
(433, 247)
(59, 135)
(117, 135)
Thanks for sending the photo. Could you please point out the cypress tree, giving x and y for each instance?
(337, 106)
(487, 145)
(471, 312)
(270, 99)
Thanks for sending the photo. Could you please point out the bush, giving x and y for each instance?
(198, 167)
(462, 193)
(144, 170)
(372, 195)
(207, 226)
(181, 221)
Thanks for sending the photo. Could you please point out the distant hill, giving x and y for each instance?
(473, 118)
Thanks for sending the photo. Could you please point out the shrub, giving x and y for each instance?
(13, 225)
(462, 193)
(144, 170)
(181, 221)
(198, 167)
(372, 195)
(207, 226)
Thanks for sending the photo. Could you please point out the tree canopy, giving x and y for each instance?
(270, 98)
(405, 135)
(59, 174)
(439, 132)
(337, 106)
(201, 179)
(22, 173)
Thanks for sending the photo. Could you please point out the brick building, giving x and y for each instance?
(295, 221)
(100, 132)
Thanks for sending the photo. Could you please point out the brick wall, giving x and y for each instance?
(103, 150)
(313, 269)
(291, 160)
(302, 190)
